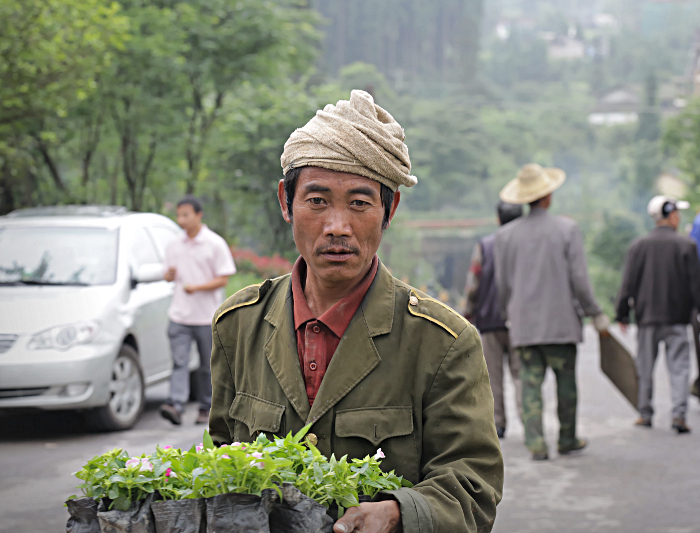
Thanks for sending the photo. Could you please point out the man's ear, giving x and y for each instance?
(394, 205)
(282, 197)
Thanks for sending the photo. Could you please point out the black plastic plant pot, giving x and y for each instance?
(239, 513)
(297, 513)
(138, 518)
(83, 516)
(180, 516)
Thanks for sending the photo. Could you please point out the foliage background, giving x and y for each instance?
(137, 102)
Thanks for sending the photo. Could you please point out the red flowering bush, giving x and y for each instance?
(262, 265)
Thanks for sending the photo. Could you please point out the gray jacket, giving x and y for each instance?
(542, 280)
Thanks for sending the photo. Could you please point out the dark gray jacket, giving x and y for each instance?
(487, 313)
(661, 281)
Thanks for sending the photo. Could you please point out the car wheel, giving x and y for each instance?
(126, 394)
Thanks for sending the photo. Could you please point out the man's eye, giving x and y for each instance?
(317, 201)
(359, 203)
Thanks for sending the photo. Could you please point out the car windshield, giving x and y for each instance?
(58, 256)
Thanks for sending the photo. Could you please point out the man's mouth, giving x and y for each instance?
(336, 253)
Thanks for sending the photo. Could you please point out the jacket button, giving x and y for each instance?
(316, 329)
(312, 439)
(312, 366)
(413, 300)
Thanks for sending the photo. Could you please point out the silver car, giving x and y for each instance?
(83, 310)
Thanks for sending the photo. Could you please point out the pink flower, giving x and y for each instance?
(225, 456)
(257, 455)
(168, 471)
(236, 444)
(146, 465)
(224, 445)
(199, 448)
(134, 461)
(379, 454)
(167, 447)
(259, 465)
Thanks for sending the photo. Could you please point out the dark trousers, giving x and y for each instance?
(497, 347)
(181, 337)
(696, 338)
(534, 361)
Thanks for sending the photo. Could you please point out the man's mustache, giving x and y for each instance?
(336, 246)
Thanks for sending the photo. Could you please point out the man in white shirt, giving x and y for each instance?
(200, 263)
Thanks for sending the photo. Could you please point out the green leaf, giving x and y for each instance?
(207, 441)
(121, 503)
(301, 434)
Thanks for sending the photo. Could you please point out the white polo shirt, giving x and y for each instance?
(197, 261)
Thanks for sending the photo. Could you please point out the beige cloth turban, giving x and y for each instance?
(355, 136)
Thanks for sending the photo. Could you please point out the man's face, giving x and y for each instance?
(337, 222)
(674, 219)
(187, 218)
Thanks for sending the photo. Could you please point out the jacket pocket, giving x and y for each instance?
(374, 424)
(257, 414)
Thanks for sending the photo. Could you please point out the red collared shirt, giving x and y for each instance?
(318, 338)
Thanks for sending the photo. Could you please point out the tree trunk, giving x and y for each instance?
(48, 160)
(7, 200)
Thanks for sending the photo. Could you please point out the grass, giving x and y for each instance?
(240, 281)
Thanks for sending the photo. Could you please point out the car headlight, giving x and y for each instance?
(64, 337)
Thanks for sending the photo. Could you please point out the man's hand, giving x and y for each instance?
(623, 328)
(377, 517)
(170, 274)
(189, 289)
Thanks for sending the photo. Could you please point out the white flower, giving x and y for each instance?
(379, 454)
(146, 465)
(134, 461)
(257, 464)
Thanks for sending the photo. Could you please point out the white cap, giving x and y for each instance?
(661, 206)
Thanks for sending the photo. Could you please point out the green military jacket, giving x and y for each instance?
(408, 376)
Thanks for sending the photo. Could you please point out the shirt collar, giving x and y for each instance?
(197, 238)
(338, 317)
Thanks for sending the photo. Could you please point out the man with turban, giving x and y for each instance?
(341, 345)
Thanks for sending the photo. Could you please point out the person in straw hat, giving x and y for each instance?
(544, 290)
(362, 359)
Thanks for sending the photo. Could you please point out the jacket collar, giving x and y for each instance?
(355, 357)
(662, 229)
(537, 212)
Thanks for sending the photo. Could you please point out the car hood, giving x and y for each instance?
(36, 308)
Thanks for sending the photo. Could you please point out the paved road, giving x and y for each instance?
(628, 480)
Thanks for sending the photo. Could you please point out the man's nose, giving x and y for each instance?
(338, 224)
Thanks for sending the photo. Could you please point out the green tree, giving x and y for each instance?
(682, 141)
(231, 41)
(649, 127)
(246, 158)
(52, 53)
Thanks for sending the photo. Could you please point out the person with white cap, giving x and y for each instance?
(544, 293)
(661, 283)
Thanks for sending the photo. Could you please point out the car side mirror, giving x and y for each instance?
(149, 273)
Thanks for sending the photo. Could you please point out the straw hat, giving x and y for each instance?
(532, 183)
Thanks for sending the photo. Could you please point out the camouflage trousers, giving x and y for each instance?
(534, 361)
